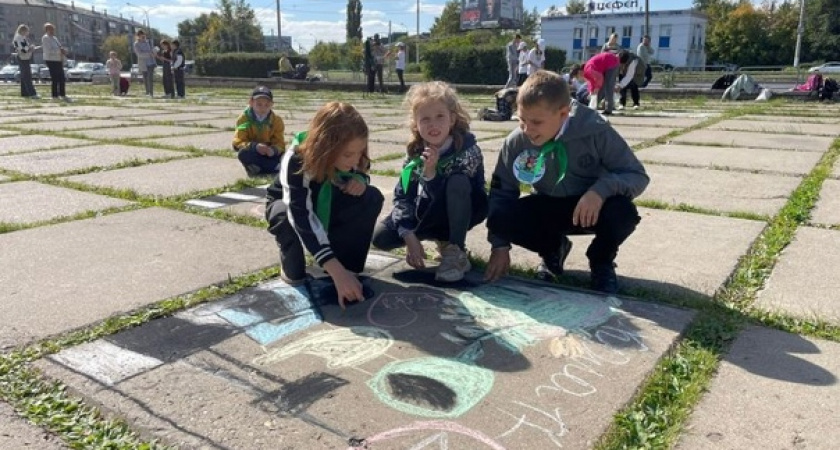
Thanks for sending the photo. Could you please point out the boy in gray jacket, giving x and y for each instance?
(583, 177)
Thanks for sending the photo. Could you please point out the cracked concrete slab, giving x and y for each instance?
(17, 434)
(144, 131)
(34, 142)
(73, 125)
(827, 209)
(79, 158)
(217, 141)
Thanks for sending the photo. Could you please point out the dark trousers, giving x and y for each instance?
(634, 94)
(371, 80)
(57, 80)
(607, 92)
(378, 70)
(168, 87)
(648, 76)
(256, 164)
(522, 78)
(178, 75)
(351, 227)
(402, 80)
(540, 222)
(448, 219)
(27, 89)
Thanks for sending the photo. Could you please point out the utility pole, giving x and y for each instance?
(417, 51)
(647, 18)
(800, 30)
(279, 33)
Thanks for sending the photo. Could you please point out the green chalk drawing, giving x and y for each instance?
(432, 387)
(339, 348)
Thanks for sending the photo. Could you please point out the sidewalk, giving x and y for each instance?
(105, 213)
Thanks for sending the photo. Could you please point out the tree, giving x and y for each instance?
(354, 20)
(576, 7)
(234, 28)
(118, 43)
(530, 23)
(449, 21)
(822, 30)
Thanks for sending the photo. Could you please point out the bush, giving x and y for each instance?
(477, 65)
(241, 65)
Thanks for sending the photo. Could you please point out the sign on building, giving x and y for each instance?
(491, 14)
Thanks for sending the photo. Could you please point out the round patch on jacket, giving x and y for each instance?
(524, 165)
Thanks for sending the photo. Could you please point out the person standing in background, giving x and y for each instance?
(54, 56)
(379, 57)
(165, 56)
(645, 52)
(523, 63)
(400, 65)
(145, 61)
(512, 55)
(178, 64)
(24, 52)
(612, 45)
(114, 66)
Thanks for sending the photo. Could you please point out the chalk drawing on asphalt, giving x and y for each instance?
(551, 423)
(298, 315)
(478, 440)
(432, 386)
(400, 309)
(343, 347)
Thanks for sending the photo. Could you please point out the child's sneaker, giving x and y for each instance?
(604, 278)
(454, 264)
(440, 246)
(619, 107)
(552, 264)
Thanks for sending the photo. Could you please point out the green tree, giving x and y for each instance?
(740, 38)
(327, 56)
(117, 43)
(354, 19)
(530, 23)
(822, 30)
(449, 21)
(234, 27)
(576, 7)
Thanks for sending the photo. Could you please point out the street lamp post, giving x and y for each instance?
(148, 23)
(800, 30)
(417, 43)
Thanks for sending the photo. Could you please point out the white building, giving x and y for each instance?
(677, 37)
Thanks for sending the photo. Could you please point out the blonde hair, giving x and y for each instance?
(48, 26)
(22, 28)
(333, 126)
(434, 91)
(544, 86)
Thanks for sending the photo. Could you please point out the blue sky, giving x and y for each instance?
(308, 21)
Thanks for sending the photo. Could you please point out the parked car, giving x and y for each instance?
(36, 72)
(86, 71)
(7, 73)
(45, 71)
(829, 67)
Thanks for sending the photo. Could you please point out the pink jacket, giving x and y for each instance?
(602, 62)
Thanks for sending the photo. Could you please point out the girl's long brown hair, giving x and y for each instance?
(333, 126)
(434, 91)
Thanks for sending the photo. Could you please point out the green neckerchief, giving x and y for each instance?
(559, 151)
(416, 164)
(252, 119)
(323, 208)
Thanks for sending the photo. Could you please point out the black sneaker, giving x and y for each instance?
(604, 278)
(552, 264)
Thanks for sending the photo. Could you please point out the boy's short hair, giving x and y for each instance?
(176, 42)
(544, 86)
(262, 92)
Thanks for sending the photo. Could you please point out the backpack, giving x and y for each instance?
(829, 87)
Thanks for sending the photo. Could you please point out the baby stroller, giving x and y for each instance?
(124, 85)
(301, 70)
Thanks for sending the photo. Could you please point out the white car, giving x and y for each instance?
(7, 73)
(86, 71)
(829, 67)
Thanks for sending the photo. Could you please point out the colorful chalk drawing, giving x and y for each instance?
(343, 347)
(399, 309)
(518, 316)
(450, 388)
(441, 429)
(300, 316)
(553, 430)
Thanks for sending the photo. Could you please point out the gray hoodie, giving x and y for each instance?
(598, 159)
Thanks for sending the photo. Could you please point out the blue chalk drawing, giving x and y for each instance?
(436, 382)
(517, 316)
(267, 330)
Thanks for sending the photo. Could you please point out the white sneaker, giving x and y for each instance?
(454, 264)
(636, 106)
(619, 107)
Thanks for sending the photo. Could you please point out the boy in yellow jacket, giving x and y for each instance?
(259, 135)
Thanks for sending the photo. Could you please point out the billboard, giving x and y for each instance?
(477, 14)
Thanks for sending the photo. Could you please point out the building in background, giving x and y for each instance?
(677, 37)
(491, 14)
(81, 30)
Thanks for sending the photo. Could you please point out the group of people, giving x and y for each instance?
(521, 61)
(172, 60)
(616, 69)
(374, 58)
(54, 55)
(583, 178)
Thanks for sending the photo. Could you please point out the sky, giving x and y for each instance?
(310, 21)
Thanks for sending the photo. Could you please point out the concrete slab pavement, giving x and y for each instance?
(144, 131)
(21, 198)
(719, 190)
(827, 209)
(804, 281)
(73, 274)
(756, 140)
(79, 158)
(34, 142)
(72, 125)
(513, 365)
(811, 129)
(18, 434)
(773, 390)
(169, 178)
(218, 141)
(751, 159)
(791, 118)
